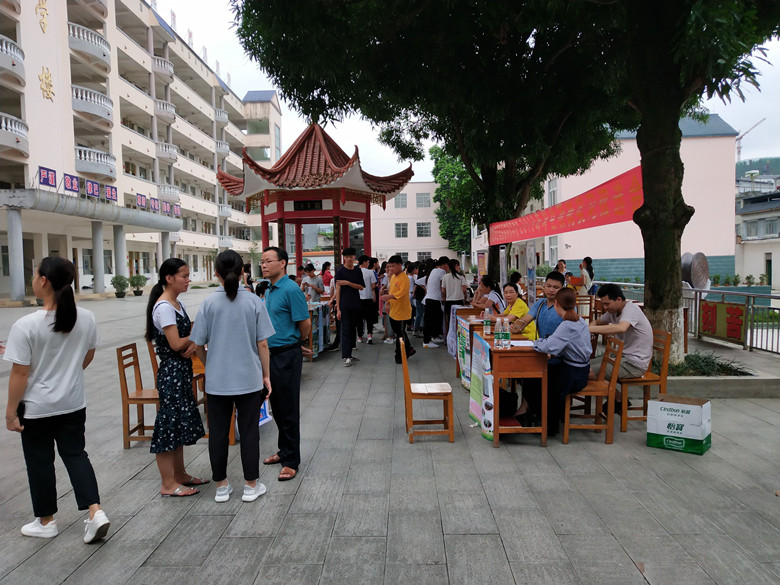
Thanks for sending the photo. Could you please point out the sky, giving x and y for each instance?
(211, 25)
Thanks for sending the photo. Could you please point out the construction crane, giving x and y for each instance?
(741, 136)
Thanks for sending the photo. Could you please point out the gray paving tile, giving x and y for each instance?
(163, 576)
(476, 558)
(15, 550)
(752, 532)
(318, 494)
(689, 573)
(570, 513)
(288, 574)
(509, 492)
(190, 542)
(235, 561)
(548, 573)
(724, 560)
(263, 517)
(354, 560)
(362, 515)
(655, 549)
(528, 537)
(466, 513)
(674, 514)
(368, 478)
(403, 574)
(113, 563)
(415, 538)
(303, 538)
(413, 494)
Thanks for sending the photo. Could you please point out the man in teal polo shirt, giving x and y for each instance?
(289, 312)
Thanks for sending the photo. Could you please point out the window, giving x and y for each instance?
(424, 229)
(259, 153)
(752, 229)
(145, 262)
(108, 262)
(738, 229)
(400, 201)
(553, 251)
(771, 228)
(421, 256)
(423, 199)
(4, 259)
(277, 141)
(195, 262)
(404, 256)
(401, 230)
(258, 126)
(86, 260)
(552, 192)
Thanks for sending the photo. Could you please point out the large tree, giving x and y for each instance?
(522, 90)
(455, 194)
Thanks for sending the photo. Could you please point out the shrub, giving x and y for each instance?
(763, 279)
(750, 280)
(138, 281)
(543, 270)
(726, 280)
(736, 280)
(120, 283)
(704, 364)
(715, 279)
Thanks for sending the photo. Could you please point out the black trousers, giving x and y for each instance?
(286, 367)
(432, 320)
(350, 318)
(369, 316)
(399, 329)
(38, 439)
(248, 419)
(562, 379)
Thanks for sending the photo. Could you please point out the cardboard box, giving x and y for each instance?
(679, 423)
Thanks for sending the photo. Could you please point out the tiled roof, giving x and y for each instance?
(259, 96)
(690, 128)
(316, 161)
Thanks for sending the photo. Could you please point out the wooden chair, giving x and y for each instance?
(662, 342)
(584, 307)
(598, 388)
(127, 357)
(432, 391)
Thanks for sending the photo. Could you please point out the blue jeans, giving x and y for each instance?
(420, 315)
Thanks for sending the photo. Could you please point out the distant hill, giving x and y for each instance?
(765, 166)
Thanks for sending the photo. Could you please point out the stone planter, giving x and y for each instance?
(138, 293)
(120, 295)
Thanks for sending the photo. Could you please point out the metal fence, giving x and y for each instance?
(762, 312)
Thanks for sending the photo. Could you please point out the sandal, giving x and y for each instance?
(180, 492)
(287, 474)
(195, 481)
(272, 459)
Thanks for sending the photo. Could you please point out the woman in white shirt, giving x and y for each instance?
(50, 349)
(453, 289)
(489, 296)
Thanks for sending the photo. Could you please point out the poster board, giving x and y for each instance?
(481, 392)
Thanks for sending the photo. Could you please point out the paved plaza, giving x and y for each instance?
(368, 507)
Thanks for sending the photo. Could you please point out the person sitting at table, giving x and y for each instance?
(543, 310)
(312, 285)
(488, 296)
(568, 367)
(516, 309)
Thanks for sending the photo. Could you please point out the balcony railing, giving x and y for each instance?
(11, 62)
(166, 111)
(95, 162)
(175, 237)
(92, 102)
(221, 116)
(169, 193)
(162, 67)
(13, 134)
(167, 151)
(225, 242)
(224, 210)
(223, 148)
(87, 41)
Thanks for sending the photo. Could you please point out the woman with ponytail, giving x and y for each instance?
(178, 420)
(235, 325)
(489, 296)
(568, 367)
(50, 349)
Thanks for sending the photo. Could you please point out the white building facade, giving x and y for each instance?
(111, 131)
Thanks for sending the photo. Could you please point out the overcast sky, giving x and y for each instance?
(211, 25)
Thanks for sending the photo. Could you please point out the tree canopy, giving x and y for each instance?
(455, 195)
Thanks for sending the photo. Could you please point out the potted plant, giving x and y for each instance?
(716, 280)
(120, 284)
(138, 281)
(750, 280)
(736, 280)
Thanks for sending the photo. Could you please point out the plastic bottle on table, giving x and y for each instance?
(507, 333)
(498, 334)
(486, 322)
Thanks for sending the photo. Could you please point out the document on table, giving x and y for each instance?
(522, 343)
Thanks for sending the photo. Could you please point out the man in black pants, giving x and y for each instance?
(289, 314)
(349, 283)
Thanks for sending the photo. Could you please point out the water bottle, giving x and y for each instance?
(507, 333)
(486, 322)
(498, 334)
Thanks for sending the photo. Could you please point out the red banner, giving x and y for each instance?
(611, 202)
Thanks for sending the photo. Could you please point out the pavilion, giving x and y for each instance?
(315, 181)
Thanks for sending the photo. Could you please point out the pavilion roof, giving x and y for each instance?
(314, 161)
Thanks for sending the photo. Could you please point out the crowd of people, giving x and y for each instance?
(265, 328)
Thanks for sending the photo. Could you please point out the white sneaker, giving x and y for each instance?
(96, 528)
(430, 345)
(35, 528)
(390, 340)
(223, 493)
(438, 339)
(252, 493)
(348, 363)
(360, 340)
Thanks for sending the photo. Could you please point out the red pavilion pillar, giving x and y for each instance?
(344, 233)
(298, 245)
(367, 230)
(263, 223)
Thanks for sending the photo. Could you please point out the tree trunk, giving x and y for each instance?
(494, 267)
(662, 219)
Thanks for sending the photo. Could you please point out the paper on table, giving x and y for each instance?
(522, 343)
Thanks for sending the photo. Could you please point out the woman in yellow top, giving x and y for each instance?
(516, 308)
(397, 297)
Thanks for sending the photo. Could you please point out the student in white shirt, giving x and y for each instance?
(432, 327)
(50, 349)
(368, 308)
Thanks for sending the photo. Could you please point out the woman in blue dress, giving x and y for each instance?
(178, 421)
